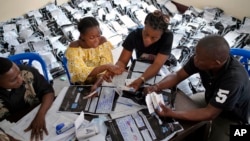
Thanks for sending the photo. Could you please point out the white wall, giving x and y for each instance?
(236, 8)
(14, 8)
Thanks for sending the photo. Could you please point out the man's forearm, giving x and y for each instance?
(168, 82)
(47, 101)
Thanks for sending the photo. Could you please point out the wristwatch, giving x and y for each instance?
(143, 79)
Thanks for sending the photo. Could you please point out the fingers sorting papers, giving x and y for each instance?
(95, 92)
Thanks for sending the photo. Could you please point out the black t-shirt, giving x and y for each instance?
(229, 90)
(14, 100)
(135, 41)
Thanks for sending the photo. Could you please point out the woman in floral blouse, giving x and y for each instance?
(90, 55)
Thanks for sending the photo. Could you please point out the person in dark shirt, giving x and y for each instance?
(22, 87)
(226, 100)
(152, 42)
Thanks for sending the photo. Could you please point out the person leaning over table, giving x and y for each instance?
(226, 100)
(153, 42)
(22, 87)
(90, 55)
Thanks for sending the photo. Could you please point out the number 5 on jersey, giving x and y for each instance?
(221, 95)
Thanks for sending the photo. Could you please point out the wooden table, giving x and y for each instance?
(193, 131)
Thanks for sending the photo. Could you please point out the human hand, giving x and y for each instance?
(93, 93)
(165, 111)
(37, 127)
(93, 88)
(108, 76)
(115, 69)
(150, 89)
(136, 84)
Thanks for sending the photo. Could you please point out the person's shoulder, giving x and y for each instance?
(103, 40)
(167, 36)
(135, 33)
(28, 68)
(168, 33)
(74, 44)
(104, 43)
(25, 67)
(137, 30)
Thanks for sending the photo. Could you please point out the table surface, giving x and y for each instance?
(183, 102)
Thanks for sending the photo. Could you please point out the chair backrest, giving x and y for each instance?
(28, 58)
(65, 66)
(244, 56)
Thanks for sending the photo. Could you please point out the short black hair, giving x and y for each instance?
(157, 20)
(5, 65)
(216, 46)
(85, 23)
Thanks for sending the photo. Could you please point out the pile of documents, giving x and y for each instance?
(50, 29)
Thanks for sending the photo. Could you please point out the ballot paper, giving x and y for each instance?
(153, 100)
(138, 67)
(141, 125)
(91, 131)
(74, 100)
(127, 21)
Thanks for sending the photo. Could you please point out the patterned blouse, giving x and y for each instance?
(82, 61)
